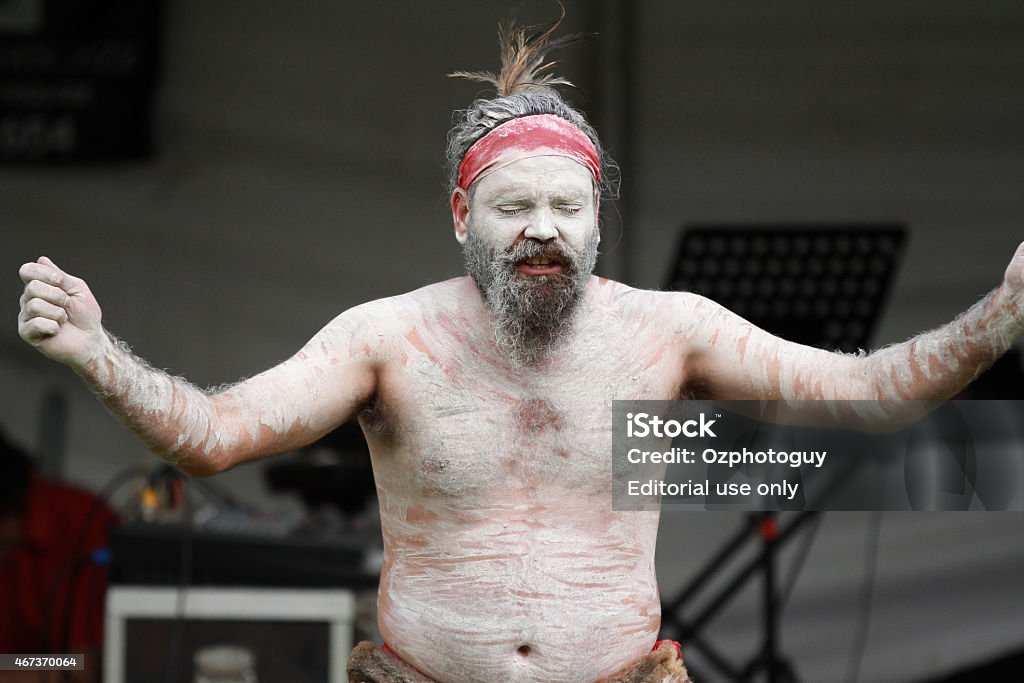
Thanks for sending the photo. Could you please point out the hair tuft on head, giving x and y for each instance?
(524, 88)
(523, 49)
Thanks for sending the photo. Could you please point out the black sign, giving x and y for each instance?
(77, 79)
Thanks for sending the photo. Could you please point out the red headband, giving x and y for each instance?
(529, 136)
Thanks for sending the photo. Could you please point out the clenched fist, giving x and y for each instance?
(59, 315)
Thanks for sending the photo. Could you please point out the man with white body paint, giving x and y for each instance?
(486, 403)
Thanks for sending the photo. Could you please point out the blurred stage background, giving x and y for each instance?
(296, 170)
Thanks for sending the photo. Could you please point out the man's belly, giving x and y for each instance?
(561, 612)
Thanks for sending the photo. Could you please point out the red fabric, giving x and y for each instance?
(44, 559)
(528, 136)
(679, 648)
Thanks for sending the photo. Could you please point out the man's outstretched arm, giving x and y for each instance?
(735, 360)
(202, 432)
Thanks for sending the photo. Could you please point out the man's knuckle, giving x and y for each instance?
(40, 289)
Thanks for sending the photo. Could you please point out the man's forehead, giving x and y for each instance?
(547, 174)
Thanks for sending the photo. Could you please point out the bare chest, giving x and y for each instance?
(462, 424)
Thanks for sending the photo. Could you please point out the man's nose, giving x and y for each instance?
(542, 226)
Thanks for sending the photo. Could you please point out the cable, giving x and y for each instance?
(799, 561)
(219, 494)
(74, 565)
(860, 637)
(178, 634)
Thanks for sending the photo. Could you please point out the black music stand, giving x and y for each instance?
(818, 285)
(821, 285)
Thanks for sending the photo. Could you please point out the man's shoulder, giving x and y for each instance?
(626, 300)
(436, 298)
(395, 315)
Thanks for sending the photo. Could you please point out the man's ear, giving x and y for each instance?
(460, 214)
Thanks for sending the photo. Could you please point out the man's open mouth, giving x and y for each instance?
(540, 265)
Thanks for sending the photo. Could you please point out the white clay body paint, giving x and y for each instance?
(503, 558)
(884, 387)
(205, 431)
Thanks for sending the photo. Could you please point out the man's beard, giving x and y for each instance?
(531, 313)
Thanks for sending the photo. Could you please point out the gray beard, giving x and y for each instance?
(531, 314)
